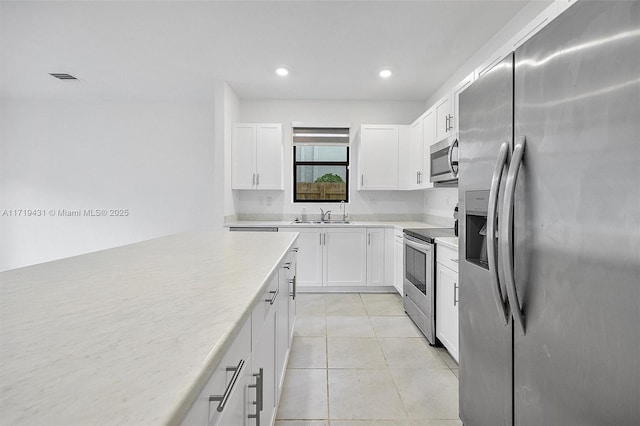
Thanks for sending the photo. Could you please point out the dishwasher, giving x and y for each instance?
(254, 228)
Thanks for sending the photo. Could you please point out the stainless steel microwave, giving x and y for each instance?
(444, 161)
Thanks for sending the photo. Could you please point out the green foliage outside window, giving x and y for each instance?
(329, 177)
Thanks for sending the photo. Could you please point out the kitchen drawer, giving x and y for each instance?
(447, 256)
(238, 357)
(267, 301)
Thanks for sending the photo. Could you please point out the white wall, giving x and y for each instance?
(319, 112)
(226, 113)
(153, 158)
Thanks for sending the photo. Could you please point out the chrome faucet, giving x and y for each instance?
(343, 207)
(325, 215)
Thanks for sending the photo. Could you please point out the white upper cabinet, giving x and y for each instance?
(269, 156)
(378, 157)
(256, 156)
(534, 26)
(428, 139)
(414, 153)
(456, 104)
(243, 156)
(444, 115)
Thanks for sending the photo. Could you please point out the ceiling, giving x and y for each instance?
(179, 49)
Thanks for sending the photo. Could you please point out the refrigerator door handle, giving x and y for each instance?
(492, 261)
(506, 233)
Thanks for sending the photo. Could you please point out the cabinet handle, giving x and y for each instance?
(224, 398)
(257, 179)
(273, 297)
(295, 249)
(258, 402)
(455, 294)
(455, 260)
(287, 265)
(369, 238)
(320, 235)
(292, 281)
(362, 179)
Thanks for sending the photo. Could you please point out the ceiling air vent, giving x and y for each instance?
(62, 76)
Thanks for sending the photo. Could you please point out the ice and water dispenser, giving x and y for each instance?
(476, 203)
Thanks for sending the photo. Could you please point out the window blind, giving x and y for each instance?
(321, 136)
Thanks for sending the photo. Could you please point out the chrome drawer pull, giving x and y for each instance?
(273, 298)
(223, 399)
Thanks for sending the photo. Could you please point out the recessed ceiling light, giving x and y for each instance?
(385, 73)
(282, 72)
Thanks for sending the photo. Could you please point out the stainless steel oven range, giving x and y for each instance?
(419, 277)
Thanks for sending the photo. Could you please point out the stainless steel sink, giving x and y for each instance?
(320, 222)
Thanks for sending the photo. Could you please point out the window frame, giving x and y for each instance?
(297, 163)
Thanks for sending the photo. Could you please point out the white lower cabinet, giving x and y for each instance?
(341, 257)
(375, 256)
(345, 257)
(263, 363)
(224, 399)
(398, 262)
(285, 316)
(447, 296)
(246, 384)
(309, 257)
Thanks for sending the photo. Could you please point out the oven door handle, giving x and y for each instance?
(421, 246)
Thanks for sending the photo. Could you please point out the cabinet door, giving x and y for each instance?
(269, 156)
(415, 155)
(264, 357)
(345, 257)
(398, 270)
(443, 113)
(309, 272)
(282, 324)
(204, 412)
(428, 139)
(292, 286)
(237, 409)
(375, 256)
(378, 157)
(447, 308)
(456, 95)
(243, 156)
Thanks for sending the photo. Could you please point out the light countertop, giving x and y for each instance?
(355, 223)
(451, 242)
(127, 335)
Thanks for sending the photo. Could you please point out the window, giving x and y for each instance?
(320, 164)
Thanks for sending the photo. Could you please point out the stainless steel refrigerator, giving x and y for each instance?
(549, 184)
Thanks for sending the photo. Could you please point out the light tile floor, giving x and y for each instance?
(358, 360)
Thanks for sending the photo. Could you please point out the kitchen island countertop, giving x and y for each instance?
(127, 335)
